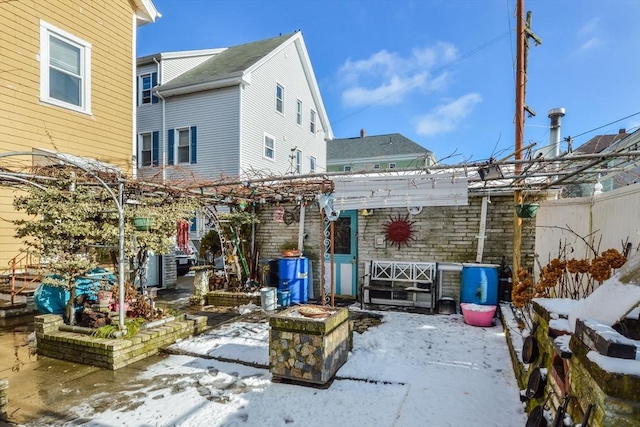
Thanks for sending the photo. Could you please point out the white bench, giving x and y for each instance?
(399, 283)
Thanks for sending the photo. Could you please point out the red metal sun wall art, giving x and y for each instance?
(399, 230)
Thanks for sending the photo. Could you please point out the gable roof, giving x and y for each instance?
(234, 65)
(231, 62)
(600, 142)
(392, 144)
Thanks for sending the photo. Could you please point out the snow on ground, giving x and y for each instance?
(412, 370)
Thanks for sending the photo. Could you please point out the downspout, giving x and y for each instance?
(483, 227)
(164, 124)
(134, 103)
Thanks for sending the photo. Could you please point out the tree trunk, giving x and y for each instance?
(70, 308)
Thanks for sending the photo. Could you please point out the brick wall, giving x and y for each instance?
(109, 353)
(442, 234)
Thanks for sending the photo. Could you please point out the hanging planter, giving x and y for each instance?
(527, 210)
(143, 223)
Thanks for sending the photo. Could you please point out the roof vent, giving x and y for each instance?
(363, 133)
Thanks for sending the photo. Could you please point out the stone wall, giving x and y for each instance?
(443, 234)
(614, 396)
(4, 400)
(232, 299)
(110, 353)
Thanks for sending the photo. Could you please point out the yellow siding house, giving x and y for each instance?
(67, 74)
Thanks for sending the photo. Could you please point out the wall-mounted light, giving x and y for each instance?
(366, 212)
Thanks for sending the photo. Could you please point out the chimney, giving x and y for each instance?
(622, 131)
(555, 114)
(363, 133)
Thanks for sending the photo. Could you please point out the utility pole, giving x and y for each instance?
(524, 32)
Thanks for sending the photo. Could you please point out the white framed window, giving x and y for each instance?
(376, 166)
(184, 142)
(392, 165)
(146, 82)
(347, 168)
(146, 149)
(312, 122)
(312, 164)
(299, 113)
(269, 147)
(65, 69)
(298, 161)
(279, 98)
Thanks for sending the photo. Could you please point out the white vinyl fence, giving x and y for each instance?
(607, 220)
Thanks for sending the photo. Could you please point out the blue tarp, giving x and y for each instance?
(53, 299)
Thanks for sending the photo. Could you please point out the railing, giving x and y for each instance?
(20, 265)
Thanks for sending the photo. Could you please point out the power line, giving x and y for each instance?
(610, 123)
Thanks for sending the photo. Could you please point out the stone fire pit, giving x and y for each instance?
(308, 349)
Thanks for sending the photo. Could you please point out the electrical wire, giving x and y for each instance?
(600, 127)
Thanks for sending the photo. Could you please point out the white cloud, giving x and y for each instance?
(386, 77)
(589, 36)
(446, 117)
(590, 44)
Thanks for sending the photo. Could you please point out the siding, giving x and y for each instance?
(215, 113)
(26, 123)
(173, 67)
(260, 116)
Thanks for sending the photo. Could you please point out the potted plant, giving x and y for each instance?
(143, 223)
(130, 295)
(527, 210)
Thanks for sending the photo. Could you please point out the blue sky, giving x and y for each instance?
(440, 72)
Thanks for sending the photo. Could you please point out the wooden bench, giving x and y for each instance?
(400, 280)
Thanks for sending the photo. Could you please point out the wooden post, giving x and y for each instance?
(333, 279)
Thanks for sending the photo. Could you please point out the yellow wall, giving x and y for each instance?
(27, 123)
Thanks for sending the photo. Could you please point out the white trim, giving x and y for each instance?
(298, 160)
(176, 145)
(134, 101)
(141, 136)
(264, 147)
(313, 115)
(281, 99)
(47, 30)
(299, 114)
(313, 164)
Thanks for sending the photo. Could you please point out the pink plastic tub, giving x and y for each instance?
(478, 315)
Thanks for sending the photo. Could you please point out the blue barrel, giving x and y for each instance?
(294, 277)
(284, 298)
(479, 284)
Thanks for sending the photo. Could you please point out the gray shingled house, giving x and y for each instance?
(377, 152)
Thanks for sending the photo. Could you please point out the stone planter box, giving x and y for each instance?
(308, 350)
(110, 353)
(232, 299)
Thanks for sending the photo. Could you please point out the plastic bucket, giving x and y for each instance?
(268, 299)
(284, 298)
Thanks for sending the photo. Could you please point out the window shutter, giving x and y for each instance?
(138, 90)
(155, 147)
(194, 145)
(138, 152)
(154, 83)
(193, 224)
(170, 147)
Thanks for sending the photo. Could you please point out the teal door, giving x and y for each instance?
(345, 253)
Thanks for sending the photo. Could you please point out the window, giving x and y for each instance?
(280, 99)
(298, 161)
(187, 145)
(145, 154)
(269, 147)
(183, 146)
(347, 168)
(392, 165)
(299, 113)
(312, 164)
(146, 82)
(65, 69)
(376, 166)
(148, 149)
(312, 122)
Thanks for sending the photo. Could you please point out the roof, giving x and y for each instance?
(231, 62)
(373, 146)
(146, 12)
(600, 142)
